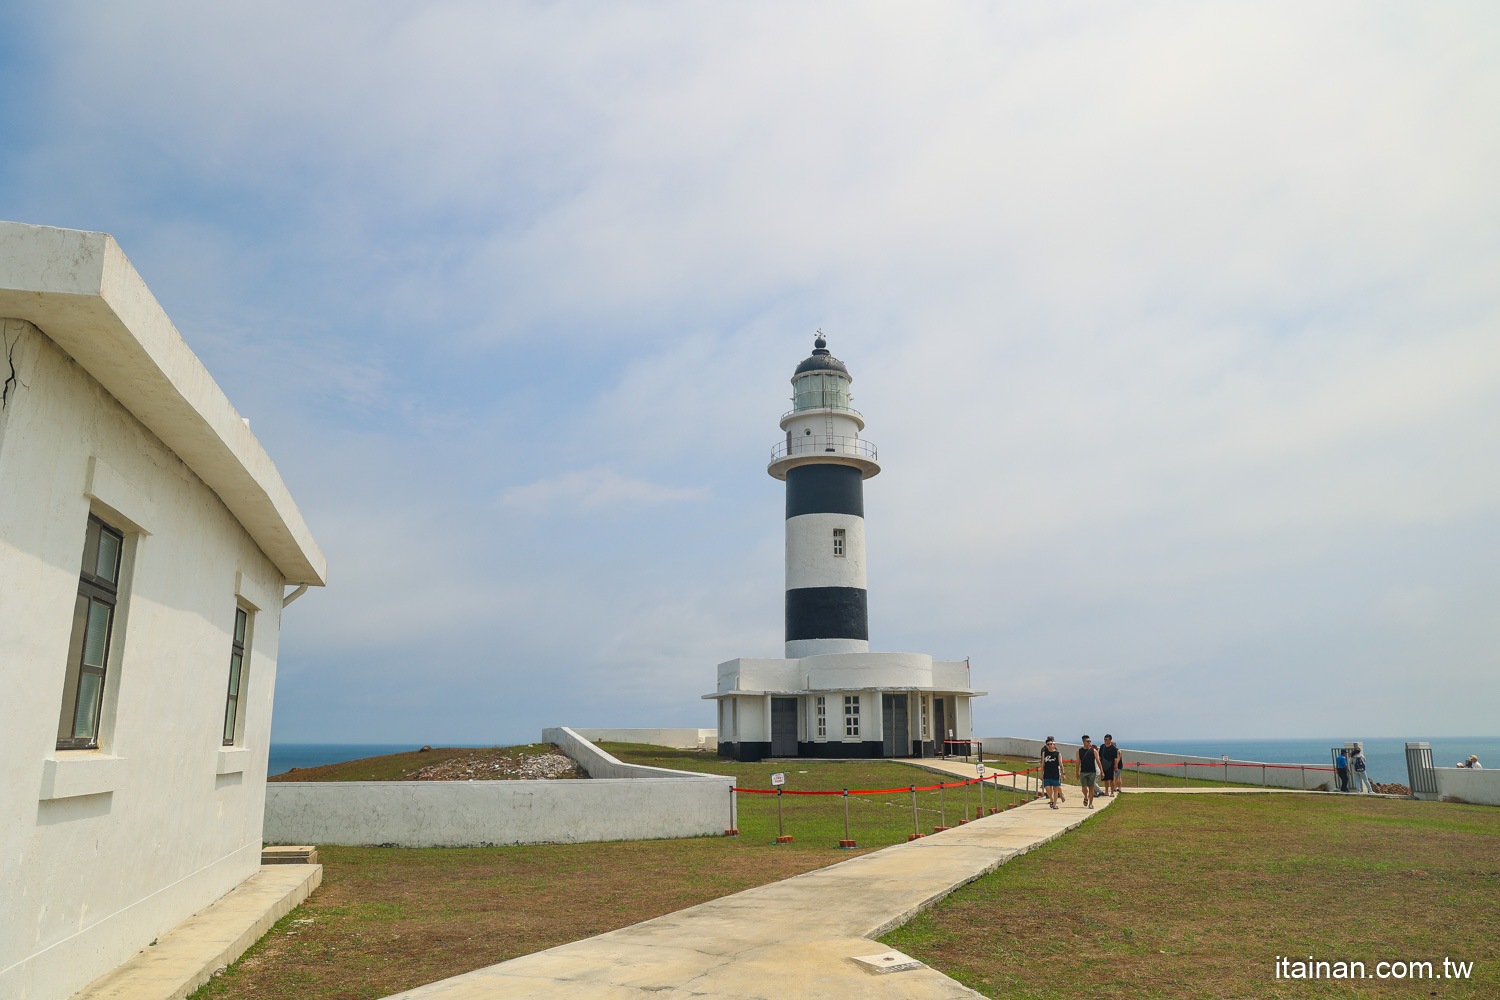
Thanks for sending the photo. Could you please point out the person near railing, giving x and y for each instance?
(1052, 772)
(1362, 781)
(1109, 760)
(1341, 762)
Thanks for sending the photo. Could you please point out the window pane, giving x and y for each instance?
(234, 675)
(230, 711)
(108, 563)
(90, 547)
(75, 656)
(239, 625)
(86, 720)
(96, 641)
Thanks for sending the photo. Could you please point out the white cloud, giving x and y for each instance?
(1176, 324)
(592, 489)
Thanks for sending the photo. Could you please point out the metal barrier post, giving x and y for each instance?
(943, 804)
(848, 841)
(966, 802)
(981, 796)
(1184, 774)
(916, 831)
(780, 826)
(732, 831)
(1263, 776)
(1226, 774)
(1303, 768)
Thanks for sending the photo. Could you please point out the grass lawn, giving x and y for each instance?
(389, 919)
(1194, 896)
(818, 820)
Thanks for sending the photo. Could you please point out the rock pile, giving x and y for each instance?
(490, 765)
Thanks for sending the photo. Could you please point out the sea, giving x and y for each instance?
(1386, 756)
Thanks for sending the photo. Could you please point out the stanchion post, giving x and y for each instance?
(848, 841)
(780, 826)
(916, 830)
(1263, 776)
(942, 804)
(981, 796)
(1303, 768)
(1184, 774)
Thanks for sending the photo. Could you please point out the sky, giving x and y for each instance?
(1177, 326)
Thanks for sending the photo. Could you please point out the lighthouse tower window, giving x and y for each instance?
(851, 715)
(838, 541)
(822, 717)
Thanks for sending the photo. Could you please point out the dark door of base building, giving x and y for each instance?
(893, 725)
(783, 727)
(940, 724)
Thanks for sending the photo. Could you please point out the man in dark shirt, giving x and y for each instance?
(1051, 771)
(1088, 771)
(1109, 758)
(1342, 763)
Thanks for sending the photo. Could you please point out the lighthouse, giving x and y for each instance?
(825, 463)
(830, 696)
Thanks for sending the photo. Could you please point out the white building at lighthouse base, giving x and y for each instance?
(842, 705)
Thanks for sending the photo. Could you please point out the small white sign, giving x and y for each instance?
(980, 769)
(779, 778)
(1226, 758)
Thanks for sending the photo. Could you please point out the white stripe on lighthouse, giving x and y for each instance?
(810, 557)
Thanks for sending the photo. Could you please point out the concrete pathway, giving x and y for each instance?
(184, 958)
(798, 938)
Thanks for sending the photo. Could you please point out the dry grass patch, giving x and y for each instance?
(1193, 896)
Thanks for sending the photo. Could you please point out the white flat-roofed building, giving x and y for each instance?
(146, 547)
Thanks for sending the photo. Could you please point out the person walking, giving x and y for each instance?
(1362, 781)
(1341, 762)
(1109, 760)
(1051, 771)
(1088, 771)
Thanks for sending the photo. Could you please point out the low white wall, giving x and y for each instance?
(678, 739)
(1241, 771)
(484, 813)
(620, 802)
(1481, 787)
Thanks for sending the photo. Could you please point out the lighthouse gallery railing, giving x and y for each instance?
(823, 444)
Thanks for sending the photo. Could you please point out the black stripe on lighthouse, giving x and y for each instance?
(827, 613)
(825, 489)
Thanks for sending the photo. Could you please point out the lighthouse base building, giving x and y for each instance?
(842, 705)
(831, 696)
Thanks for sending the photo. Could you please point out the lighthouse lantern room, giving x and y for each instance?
(830, 696)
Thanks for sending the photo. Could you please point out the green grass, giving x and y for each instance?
(874, 820)
(1194, 896)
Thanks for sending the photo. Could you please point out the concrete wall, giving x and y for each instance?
(105, 850)
(1479, 786)
(620, 802)
(480, 813)
(1246, 772)
(679, 739)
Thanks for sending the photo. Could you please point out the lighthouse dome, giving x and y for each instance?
(822, 361)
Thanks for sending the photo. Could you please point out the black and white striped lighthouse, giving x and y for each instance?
(824, 462)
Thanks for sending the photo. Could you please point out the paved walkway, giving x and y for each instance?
(185, 957)
(797, 938)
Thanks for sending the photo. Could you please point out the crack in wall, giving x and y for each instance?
(12, 380)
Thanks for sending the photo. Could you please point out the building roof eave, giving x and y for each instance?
(82, 292)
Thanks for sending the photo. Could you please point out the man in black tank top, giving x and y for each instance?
(1109, 757)
(1051, 771)
(1088, 771)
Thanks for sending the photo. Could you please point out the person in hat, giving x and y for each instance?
(1109, 759)
(1473, 761)
(1051, 771)
(1088, 771)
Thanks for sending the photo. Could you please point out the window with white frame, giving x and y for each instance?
(838, 541)
(236, 669)
(923, 701)
(93, 631)
(851, 715)
(822, 709)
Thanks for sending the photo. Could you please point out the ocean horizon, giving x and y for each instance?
(1386, 755)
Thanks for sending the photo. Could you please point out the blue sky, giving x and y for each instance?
(1176, 325)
